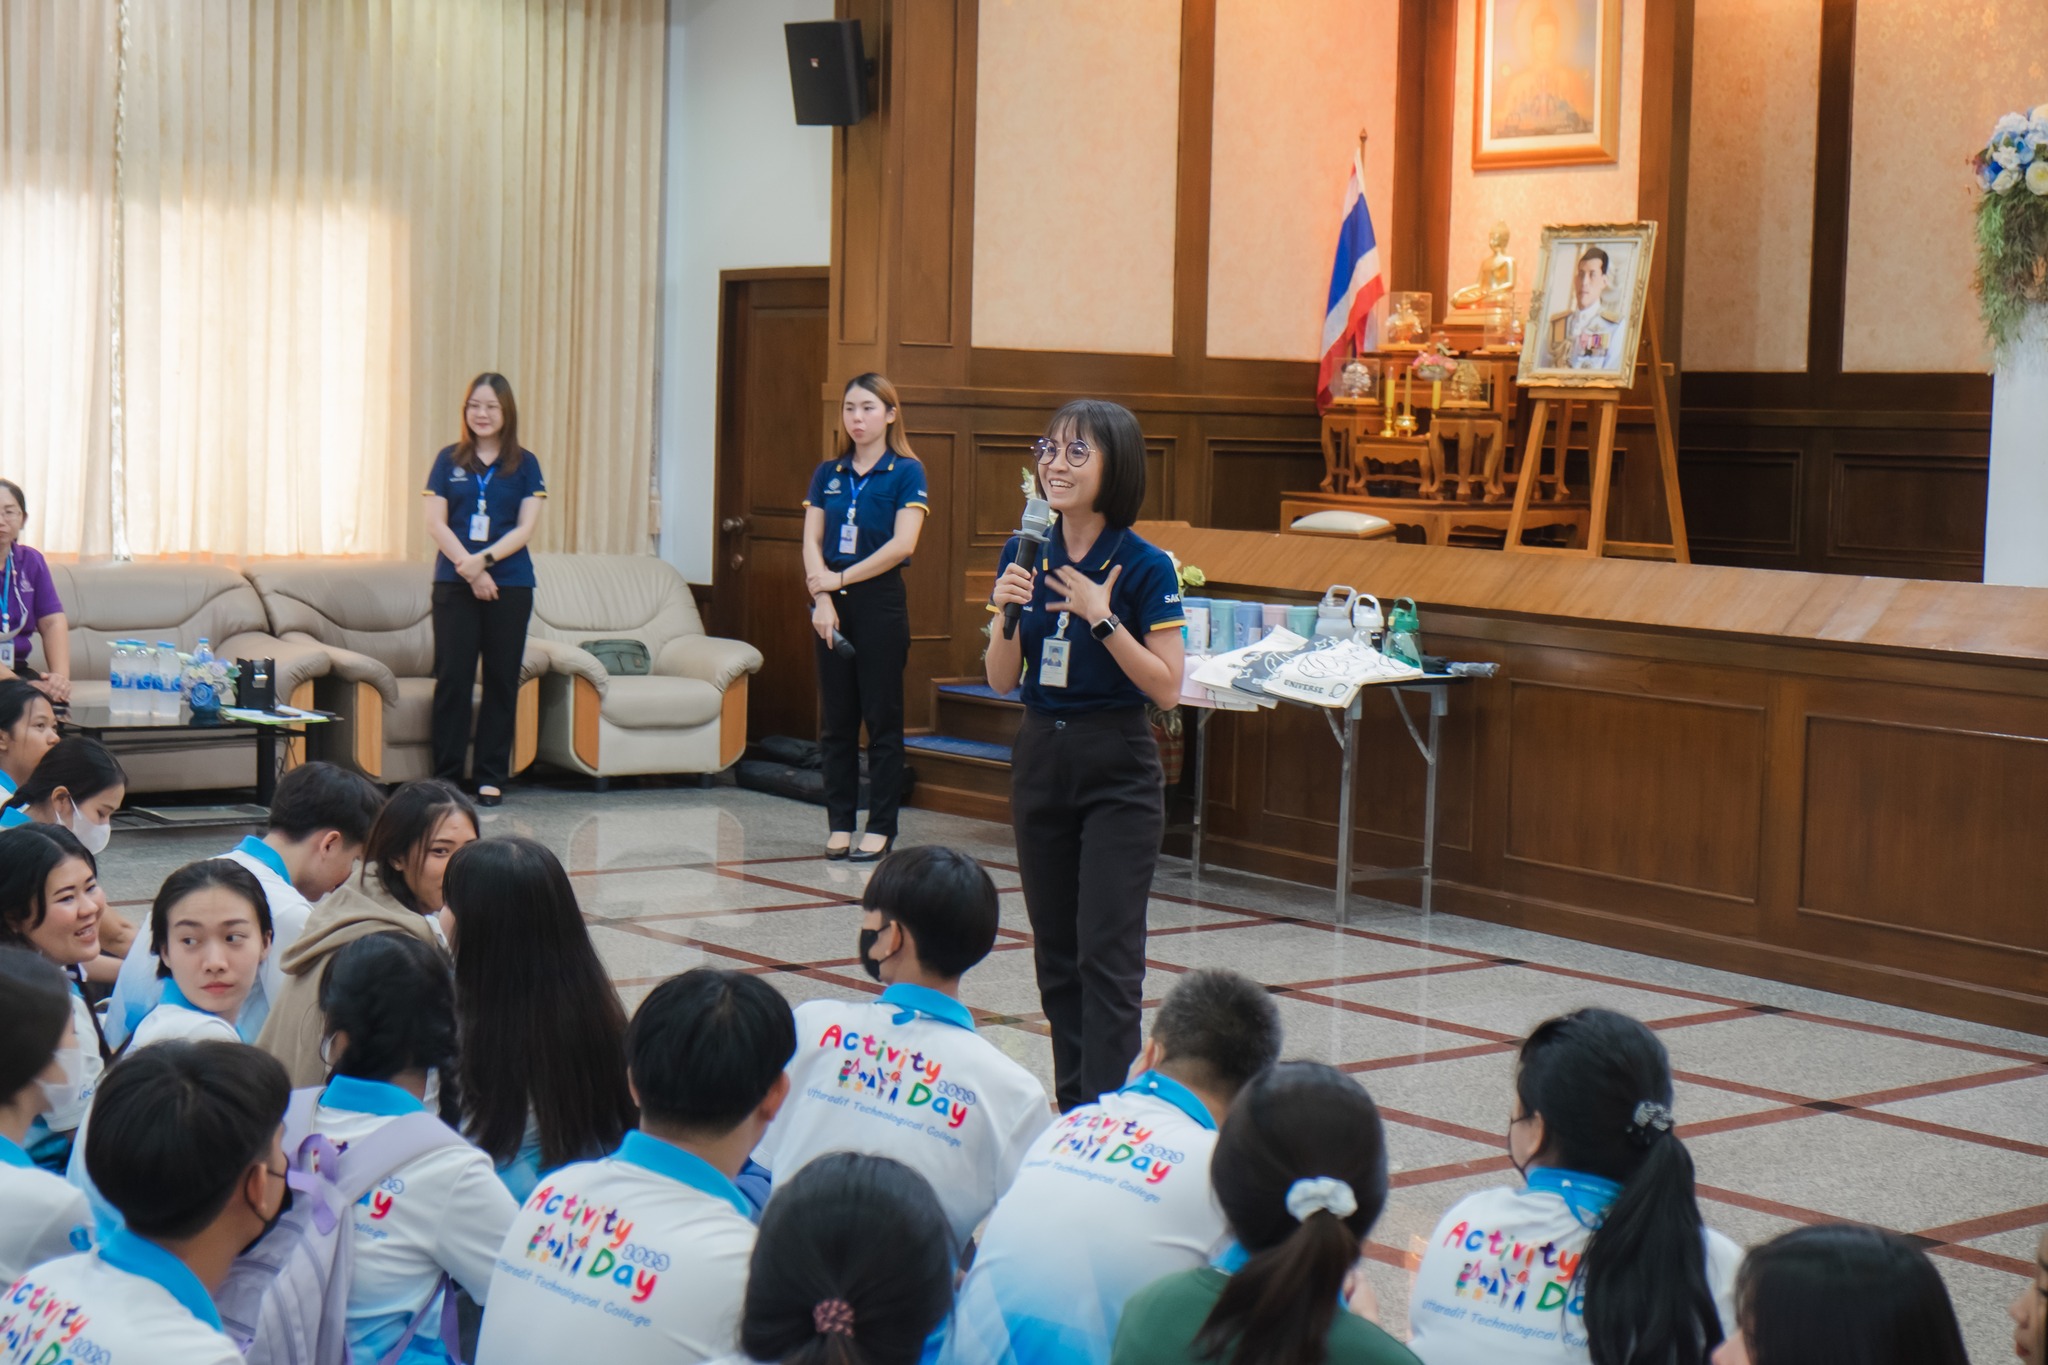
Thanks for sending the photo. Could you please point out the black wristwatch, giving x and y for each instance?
(490, 560)
(1106, 627)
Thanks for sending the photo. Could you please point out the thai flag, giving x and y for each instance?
(1355, 284)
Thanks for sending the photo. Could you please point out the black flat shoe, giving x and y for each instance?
(484, 798)
(861, 855)
(838, 855)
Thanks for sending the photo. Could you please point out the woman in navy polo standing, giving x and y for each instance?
(1098, 637)
(483, 500)
(861, 521)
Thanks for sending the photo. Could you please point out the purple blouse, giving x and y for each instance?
(26, 596)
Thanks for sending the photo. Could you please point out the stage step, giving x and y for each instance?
(963, 766)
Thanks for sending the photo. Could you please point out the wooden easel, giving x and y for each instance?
(1607, 402)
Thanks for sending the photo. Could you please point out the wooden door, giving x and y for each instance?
(771, 371)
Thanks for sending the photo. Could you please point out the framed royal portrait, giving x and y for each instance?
(1547, 86)
(1586, 309)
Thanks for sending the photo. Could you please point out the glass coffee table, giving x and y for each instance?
(156, 734)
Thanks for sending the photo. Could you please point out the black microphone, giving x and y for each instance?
(841, 646)
(1032, 530)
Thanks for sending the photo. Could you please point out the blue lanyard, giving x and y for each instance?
(853, 502)
(483, 486)
(7, 597)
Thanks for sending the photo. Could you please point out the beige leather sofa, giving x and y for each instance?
(374, 619)
(689, 715)
(106, 602)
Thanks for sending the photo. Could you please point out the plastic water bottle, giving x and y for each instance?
(120, 682)
(169, 695)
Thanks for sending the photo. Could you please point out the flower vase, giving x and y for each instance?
(2016, 510)
(204, 699)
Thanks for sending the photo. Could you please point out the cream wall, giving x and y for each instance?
(1287, 117)
(1749, 184)
(1528, 199)
(1077, 137)
(1932, 76)
(745, 186)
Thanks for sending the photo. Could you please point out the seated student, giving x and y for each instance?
(1845, 1294)
(79, 785)
(404, 857)
(319, 821)
(51, 903)
(46, 1218)
(551, 1087)
(657, 1271)
(28, 731)
(1601, 1254)
(1134, 1168)
(906, 1076)
(854, 1266)
(208, 931)
(187, 1145)
(1300, 1170)
(390, 1011)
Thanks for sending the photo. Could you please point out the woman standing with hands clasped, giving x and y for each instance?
(861, 519)
(1098, 637)
(483, 500)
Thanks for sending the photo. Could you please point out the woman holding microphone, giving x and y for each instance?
(1098, 636)
(483, 499)
(861, 521)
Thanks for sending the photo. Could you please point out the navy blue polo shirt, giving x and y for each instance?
(874, 498)
(503, 491)
(1146, 598)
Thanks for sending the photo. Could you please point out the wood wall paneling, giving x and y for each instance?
(925, 239)
(1247, 477)
(1924, 508)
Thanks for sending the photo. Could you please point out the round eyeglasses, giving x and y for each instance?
(1077, 452)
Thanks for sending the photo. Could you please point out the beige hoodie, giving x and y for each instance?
(293, 1031)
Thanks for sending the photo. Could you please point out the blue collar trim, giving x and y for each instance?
(173, 996)
(1232, 1258)
(11, 1153)
(7, 787)
(910, 1000)
(685, 1168)
(265, 854)
(1174, 1093)
(369, 1097)
(123, 1250)
(1589, 1197)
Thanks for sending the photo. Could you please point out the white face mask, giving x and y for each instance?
(62, 1095)
(91, 833)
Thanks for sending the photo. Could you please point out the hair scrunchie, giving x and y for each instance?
(1650, 1121)
(833, 1317)
(1320, 1194)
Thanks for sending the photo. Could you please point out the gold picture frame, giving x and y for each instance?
(1546, 84)
(1586, 307)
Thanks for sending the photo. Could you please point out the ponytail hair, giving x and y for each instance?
(853, 1266)
(82, 767)
(1301, 1172)
(394, 997)
(1602, 1083)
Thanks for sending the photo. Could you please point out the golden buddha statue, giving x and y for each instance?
(1495, 292)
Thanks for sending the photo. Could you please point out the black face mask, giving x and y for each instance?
(283, 1207)
(867, 943)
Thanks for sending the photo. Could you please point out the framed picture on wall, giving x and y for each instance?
(1586, 310)
(1547, 88)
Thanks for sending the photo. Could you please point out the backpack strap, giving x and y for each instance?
(451, 1328)
(400, 1142)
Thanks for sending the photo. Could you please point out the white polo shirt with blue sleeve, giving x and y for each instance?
(46, 1218)
(638, 1258)
(1133, 1170)
(129, 1303)
(906, 1076)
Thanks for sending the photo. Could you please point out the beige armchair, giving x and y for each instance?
(688, 715)
(374, 619)
(105, 602)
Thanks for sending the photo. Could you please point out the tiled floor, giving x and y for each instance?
(1798, 1106)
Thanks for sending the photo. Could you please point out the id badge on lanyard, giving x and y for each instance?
(1052, 657)
(7, 614)
(849, 534)
(480, 520)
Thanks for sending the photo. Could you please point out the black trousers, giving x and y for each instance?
(874, 616)
(1088, 805)
(467, 629)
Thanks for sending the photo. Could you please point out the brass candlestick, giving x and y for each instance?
(1387, 405)
(1406, 423)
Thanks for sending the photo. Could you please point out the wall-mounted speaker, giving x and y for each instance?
(827, 71)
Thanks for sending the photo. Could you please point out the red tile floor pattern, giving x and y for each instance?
(1977, 1065)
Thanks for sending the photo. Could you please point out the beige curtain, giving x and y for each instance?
(333, 213)
(56, 193)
